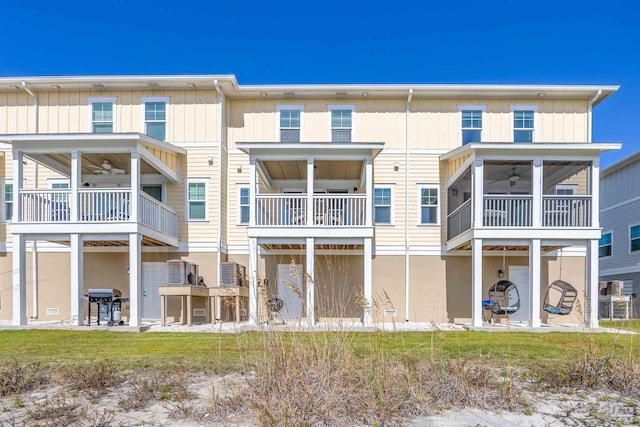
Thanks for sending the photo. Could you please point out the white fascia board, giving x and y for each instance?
(316, 232)
(529, 149)
(158, 165)
(310, 148)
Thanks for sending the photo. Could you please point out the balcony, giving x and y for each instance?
(284, 210)
(516, 212)
(95, 206)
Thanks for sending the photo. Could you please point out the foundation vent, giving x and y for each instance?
(389, 313)
(199, 312)
(53, 311)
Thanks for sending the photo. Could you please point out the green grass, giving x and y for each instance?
(630, 325)
(233, 352)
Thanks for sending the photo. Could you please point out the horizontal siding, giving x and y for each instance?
(620, 185)
(237, 235)
(618, 220)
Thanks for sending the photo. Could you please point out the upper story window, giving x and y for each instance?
(342, 122)
(605, 245)
(243, 205)
(429, 204)
(102, 114)
(8, 200)
(289, 123)
(524, 122)
(471, 124)
(382, 205)
(634, 236)
(155, 116)
(196, 200)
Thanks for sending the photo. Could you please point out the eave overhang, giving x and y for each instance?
(316, 149)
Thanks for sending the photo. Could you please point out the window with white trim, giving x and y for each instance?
(60, 184)
(524, 122)
(102, 115)
(341, 123)
(7, 193)
(382, 204)
(289, 123)
(566, 189)
(196, 200)
(471, 122)
(429, 204)
(605, 245)
(243, 205)
(634, 238)
(155, 117)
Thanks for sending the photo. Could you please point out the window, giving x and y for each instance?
(382, 205)
(155, 117)
(429, 205)
(634, 235)
(8, 200)
(153, 190)
(471, 122)
(102, 114)
(523, 122)
(341, 123)
(196, 200)
(289, 126)
(60, 185)
(604, 247)
(566, 189)
(243, 202)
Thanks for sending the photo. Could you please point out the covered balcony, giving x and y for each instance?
(520, 191)
(104, 192)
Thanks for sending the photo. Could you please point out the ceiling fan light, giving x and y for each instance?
(106, 165)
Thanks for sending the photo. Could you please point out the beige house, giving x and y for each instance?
(376, 203)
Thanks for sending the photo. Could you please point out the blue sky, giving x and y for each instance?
(270, 42)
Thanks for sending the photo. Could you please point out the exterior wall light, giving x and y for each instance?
(396, 166)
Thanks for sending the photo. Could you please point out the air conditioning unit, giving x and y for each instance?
(232, 274)
(181, 272)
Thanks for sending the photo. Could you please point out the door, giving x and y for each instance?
(520, 276)
(293, 301)
(153, 275)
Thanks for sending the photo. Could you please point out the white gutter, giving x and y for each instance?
(220, 216)
(589, 119)
(406, 212)
(34, 247)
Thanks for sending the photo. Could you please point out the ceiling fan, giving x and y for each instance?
(106, 168)
(513, 177)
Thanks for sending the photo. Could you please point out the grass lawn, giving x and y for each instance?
(630, 325)
(238, 352)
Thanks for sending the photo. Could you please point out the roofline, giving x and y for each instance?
(246, 147)
(484, 146)
(632, 158)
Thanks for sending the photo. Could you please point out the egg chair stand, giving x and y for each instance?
(560, 296)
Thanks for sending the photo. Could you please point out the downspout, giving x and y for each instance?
(34, 248)
(589, 119)
(406, 212)
(220, 217)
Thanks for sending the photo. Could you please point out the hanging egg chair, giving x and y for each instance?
(504, 298)
(560, 298)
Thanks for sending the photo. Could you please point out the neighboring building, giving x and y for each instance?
(369, 202)
(620, 222)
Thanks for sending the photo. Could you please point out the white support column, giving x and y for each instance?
(19, 279)
(253, 281)
(135, 185)
(77, 279)
(536, 203)
(310, 177)
(591, 283)
(135, 279)
(368, 282)
(309, 279)
(252, 192)
(368, 182)
(595, 193)
(477, 175)
(74, 183)
(476, 283)
(18, 185)
(534, 282)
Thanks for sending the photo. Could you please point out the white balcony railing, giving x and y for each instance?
(95, 206)
(566, 211)
(459, 220)
(328, 209)
(507, 211)
(157, 215)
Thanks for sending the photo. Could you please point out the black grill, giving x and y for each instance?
(109, 305)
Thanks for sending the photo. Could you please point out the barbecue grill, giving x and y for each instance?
(109, 305)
